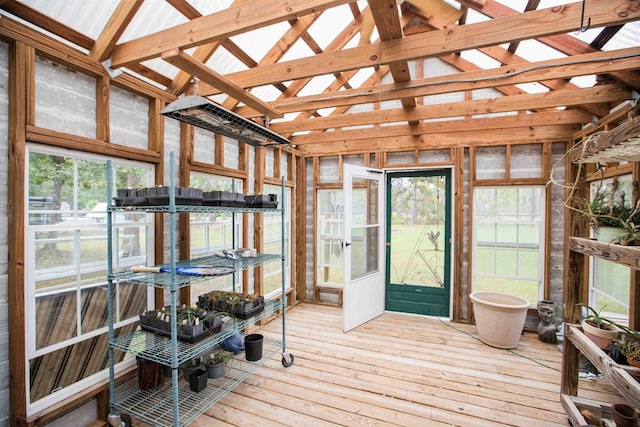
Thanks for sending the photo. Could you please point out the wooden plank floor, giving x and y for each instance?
(398, 370)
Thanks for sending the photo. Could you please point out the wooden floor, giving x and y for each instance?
(398, 370)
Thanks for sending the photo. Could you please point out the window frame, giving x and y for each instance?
(542, 225)
(30, 276)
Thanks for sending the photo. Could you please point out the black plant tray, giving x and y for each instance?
(180, 200)
(224, 203)
(191, 339)
(263, 205)
(151, 324)
(245, 311)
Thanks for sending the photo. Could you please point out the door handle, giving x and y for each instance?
(347, 244)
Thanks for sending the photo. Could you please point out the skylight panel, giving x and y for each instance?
(330, 24)
(534, 51)
(85, 16)
(223, 62)
(258, 42)
(628, 36)
(480, 59)
(299, 50)
(152, 17)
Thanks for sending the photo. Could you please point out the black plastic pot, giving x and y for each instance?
(198, 380)
(253, 347)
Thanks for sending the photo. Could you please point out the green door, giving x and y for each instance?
(418, 273)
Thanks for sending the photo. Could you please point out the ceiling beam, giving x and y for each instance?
(435, 43)
(387, 19)
(563, 68)
(236, 19)
(43, 21)
(569, 45)
(558, 98)
(498, 136)
(194, 67)
(111, 32)
(566, 117)
(531, 5)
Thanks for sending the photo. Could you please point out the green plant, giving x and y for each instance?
(220, 357)
(595, 318)
(629, 345)
(609, 208)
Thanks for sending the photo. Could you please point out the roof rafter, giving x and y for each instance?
(196, 68)
(568, 45)
(563, 68)
(435, 43)
(568, 97)
(217, 26)
(387, 19)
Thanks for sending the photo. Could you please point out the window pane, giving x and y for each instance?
(364, 252)
(56, 318)
(330, 208)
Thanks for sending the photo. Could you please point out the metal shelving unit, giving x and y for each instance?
(174, 404)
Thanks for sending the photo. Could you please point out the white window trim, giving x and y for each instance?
(541, 237)
(30, 292)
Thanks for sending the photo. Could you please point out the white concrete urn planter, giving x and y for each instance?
(499, 318)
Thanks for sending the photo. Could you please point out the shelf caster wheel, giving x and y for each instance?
(121, 420)
(286, 363)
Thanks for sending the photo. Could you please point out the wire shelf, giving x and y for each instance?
(191, 209)
(163, 280)
(157, 348)
(155, 406)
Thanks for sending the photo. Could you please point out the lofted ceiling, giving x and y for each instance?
(346, 76)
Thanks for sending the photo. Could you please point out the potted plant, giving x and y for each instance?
(189, 322)
(217, 363)
(629, 346)
(608, 210)
(599, 329)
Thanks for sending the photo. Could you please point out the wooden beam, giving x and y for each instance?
(566, 117)
(21, 75)
(568, 44)
(196, 68)
(111, 32)
(435, 43)
(566, 98)
(217, 26)
(443, 140)
(387, 19)
(563, 68)
(46, 23)
(531, 5)
(438, 9)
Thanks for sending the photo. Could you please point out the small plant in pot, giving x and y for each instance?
(628, 344)
(599, 329)
(609, 207)
(217, 363)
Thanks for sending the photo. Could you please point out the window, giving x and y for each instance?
(273, 235)
(66, 245)
(330, 257)
(508, 241)
(608, 281)
(213, 232)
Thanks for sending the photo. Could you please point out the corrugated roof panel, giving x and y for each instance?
(85, 16)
